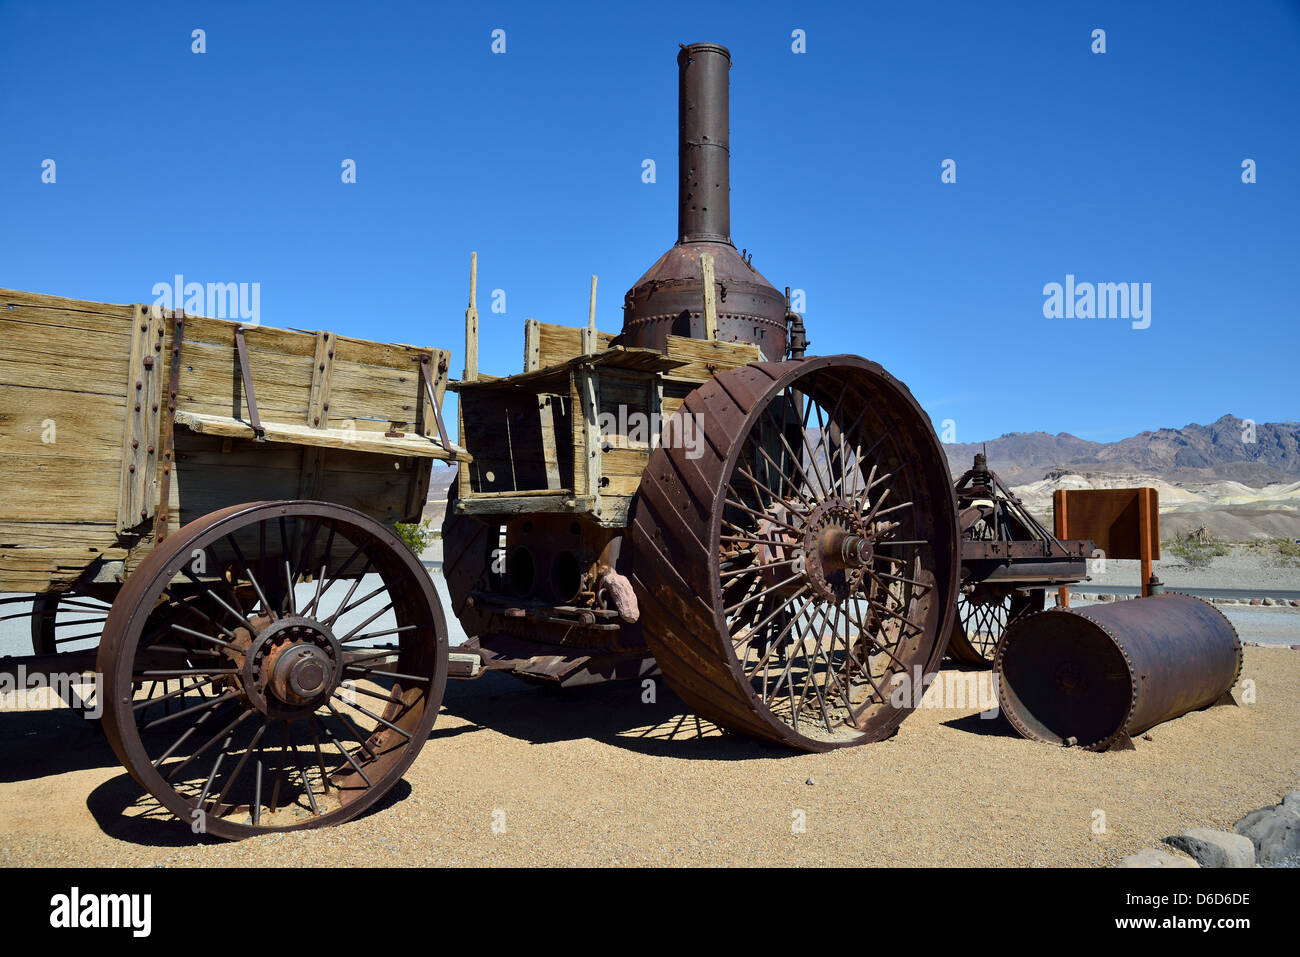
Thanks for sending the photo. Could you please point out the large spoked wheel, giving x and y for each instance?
(797, 568)
(273, 666)
(982, 617)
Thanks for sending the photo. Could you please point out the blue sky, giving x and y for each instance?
(1115, 167)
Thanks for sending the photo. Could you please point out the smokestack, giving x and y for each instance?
(703, 153)
(668, 299)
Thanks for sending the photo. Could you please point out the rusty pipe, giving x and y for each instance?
(1097, 673)
(703, 150)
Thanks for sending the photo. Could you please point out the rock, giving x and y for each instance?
(1154, 857)
(1257, 601)
(1269, 601)
(811, 780)
(1213, 848)
(1275, 832)
(1292, 801)
(1219, 601)
(1295, 602)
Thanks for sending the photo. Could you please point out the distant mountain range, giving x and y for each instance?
(1207, 477)
(1194, 453)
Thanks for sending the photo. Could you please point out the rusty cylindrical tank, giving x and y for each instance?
(1102, 671)
(668, 298)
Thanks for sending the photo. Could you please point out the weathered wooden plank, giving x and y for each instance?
(18, 298)
(358, 440)
(590, 342)
(710, 299)
(546, 416)
(532, 345)
(322, 371)
(704, 358)
(471, 322)
(49, 423)
(64, 536)
(138, 482)
(54, 356)
(418, 487)
(562, 501)
(557, 344)
(311, 471)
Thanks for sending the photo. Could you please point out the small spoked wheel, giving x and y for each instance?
(982, 617)
(797, 569)
(69, 621)
(273, 666)
(73, 621)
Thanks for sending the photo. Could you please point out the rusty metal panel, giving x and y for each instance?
(1114, 518)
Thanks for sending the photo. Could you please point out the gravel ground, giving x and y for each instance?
(597, 777)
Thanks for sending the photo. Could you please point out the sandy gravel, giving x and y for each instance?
(597, 777)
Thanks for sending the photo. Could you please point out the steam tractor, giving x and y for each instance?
(775, 532)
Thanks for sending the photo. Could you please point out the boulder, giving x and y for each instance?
(1211, 848)
(1275, 832)
(1154, 857)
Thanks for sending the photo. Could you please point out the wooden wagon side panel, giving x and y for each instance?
(83, 396)
(64, 366)
(280, 362)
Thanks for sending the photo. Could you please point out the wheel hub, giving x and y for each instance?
(294, 665)
(837, 549)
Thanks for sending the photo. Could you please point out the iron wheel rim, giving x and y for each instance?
(359, 766)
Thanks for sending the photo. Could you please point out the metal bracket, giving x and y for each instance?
(255, 420)
(426, 386)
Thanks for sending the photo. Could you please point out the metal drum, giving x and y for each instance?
(1097, 673)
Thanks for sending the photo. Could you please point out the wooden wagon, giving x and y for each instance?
(216, 501)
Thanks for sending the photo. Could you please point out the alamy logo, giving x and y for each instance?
(38, 691)
(75, 909)
(683, 430)
(240, 301)
(1102, 300)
